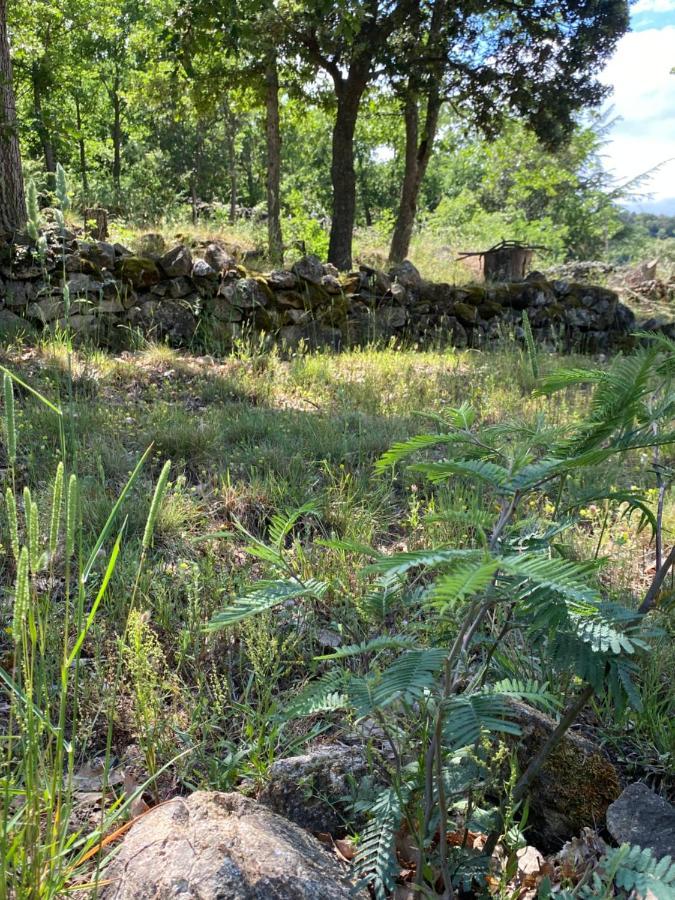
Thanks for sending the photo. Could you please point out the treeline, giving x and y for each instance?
(654, 224)
(386, 112)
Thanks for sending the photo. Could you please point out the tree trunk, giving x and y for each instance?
(416, 162)
(273, 136)
(41, 125)
(83, 154)
(343, 175)
(230, 134)
(12, 200)
(117, 136)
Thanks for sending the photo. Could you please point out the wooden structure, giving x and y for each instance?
(506, 261)
(96, 223)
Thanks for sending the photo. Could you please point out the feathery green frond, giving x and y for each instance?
(373, 646)
(406, 679)
(474, 469)
(324, 694)
(400, 563)
(375, 861)
(465, 580)
(262, 596)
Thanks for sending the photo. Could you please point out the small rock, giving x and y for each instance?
(331, 284)
(313, 790)
(79, 283)
(12, 325)
(213, 846)
(218, 258)
(179, 287)
(406, 274)
(530, 861)
(176, 262)
(282, 280)
(641, 817)
(248, 293)
(102, 254)
(309, 268)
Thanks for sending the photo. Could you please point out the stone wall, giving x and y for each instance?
(203, 291)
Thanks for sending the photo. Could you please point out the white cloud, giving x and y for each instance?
(653, 6)
(644, 99)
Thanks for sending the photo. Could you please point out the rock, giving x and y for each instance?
(179, 287)
(530, 861)
(331, 284)
(172, 319)
(398, 293)
(80, 283)
(19, 293)
(12, 325)
(203, 272)
(281, 280)
(573, 789)
(224, 311)
(81, 325)
(176, 262)
(387, 318)
(121, 250)
(290, 298)
(641, 817)
(312, 790)
(151, 244)
(624, 318)
(139, 271)
(213, 846)
(46, 310)
(406, 274)
(466, 313)
(249, 293)
(101, 254)
(309, 268)
(218, 258)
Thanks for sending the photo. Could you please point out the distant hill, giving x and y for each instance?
(664, 207)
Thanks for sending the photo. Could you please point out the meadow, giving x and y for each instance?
(115, 687)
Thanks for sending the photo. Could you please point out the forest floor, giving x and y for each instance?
(249, 436)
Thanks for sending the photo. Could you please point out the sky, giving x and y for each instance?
(643, 101)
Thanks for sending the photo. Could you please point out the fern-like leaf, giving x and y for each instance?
(324, 694)
(263, 596)
(465, 580)
(406, 679)
(400, 563)
(475, 469)
(375, 645)
(375, 861)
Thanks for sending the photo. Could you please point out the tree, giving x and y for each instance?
(345, 40)
(492, 56)
(12, 200)
(493, 59)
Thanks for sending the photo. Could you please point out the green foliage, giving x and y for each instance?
(446, 694)
(624, 872)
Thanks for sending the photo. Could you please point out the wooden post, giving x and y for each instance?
(96, 223)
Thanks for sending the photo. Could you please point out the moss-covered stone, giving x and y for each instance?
(466, 313)
(473, 294)
(336, 311)
(139, 271)
(489, 309)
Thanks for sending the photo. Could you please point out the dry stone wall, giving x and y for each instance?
(102, 292)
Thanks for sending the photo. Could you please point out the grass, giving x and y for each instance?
(248, 435)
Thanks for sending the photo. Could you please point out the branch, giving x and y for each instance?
(652, 594)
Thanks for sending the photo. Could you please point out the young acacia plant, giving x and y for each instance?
(436, 688)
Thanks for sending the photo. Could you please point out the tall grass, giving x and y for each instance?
(59, 585)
